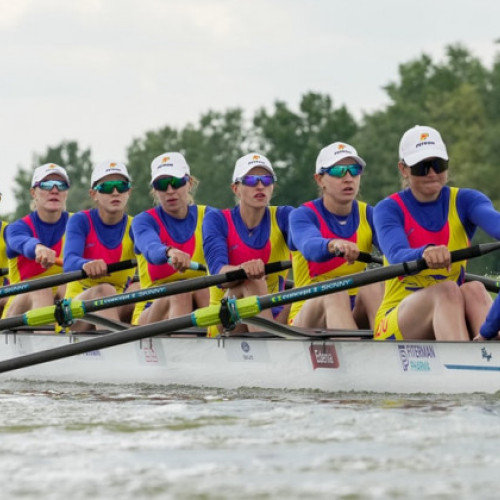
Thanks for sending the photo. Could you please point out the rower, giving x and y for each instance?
(247, 237)
(101, 236)
(327, 236)
(35, 242)
(428, 219)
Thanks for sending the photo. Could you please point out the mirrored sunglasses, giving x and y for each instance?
(162, 183)
(253, 180)
(422, 168)
(50, 185)
(341, 170)
(107, 187)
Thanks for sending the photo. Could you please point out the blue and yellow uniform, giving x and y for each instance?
(312, 226)
(154, 230)
(22, 237)
(227, 241)
(88, 238)
(405, 227)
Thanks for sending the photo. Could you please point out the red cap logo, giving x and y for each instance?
(424, 136)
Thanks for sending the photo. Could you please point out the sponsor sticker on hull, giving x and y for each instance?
(324, 356)
(418, 358)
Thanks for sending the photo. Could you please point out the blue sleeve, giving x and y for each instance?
(491, 326)
(76, 233)
(306, 235)
(20, 240)
(283, 219)
(369, 217)
(147, 239)
(389, 225)
(476, 210)
(215, 241)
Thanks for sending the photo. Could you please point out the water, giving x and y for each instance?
(67, 441)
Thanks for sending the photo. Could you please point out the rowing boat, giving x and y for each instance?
(266, 361)
(176, 351)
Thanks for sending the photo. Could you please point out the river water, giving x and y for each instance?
(67, 441)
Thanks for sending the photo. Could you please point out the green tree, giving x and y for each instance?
(79, 167)
(211, 149)
(292, 141)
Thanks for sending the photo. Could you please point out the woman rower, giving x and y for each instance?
(248, 236)
(101, 236)
(327, 235)
(168, 239)
(428, 219)
(35, 242)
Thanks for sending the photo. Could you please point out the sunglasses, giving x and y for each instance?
(50, 185)
(162, 183)
(253, 180)
(422, 168)
(341, 170)
(108, 187)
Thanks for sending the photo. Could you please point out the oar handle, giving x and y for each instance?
(365, 257)
(270, 268)
(120, 266)
(194, 266)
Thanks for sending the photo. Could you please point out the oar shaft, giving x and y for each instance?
(168, 289)
(58, 279)
(101, 342)
(492, 285)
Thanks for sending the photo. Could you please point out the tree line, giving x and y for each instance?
(459, 96)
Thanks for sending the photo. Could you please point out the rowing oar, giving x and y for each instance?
(59, 279)
(241, 308)
(68, 310)
(492, 285)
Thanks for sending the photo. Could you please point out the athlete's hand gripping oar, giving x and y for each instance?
(68, 310)
(241, 308)
(58, 279)
(365, 257)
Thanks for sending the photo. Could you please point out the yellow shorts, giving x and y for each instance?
(387, 327)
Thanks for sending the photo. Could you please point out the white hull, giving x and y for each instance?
(341, 365)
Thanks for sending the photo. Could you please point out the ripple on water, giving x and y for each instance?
(80, 441)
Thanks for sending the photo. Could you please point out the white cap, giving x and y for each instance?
(47, 169)
(107, 167)
(332, 154)
(420, 143)
(246, 163)
(172, 164)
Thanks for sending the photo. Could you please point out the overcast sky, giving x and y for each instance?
(103, 72)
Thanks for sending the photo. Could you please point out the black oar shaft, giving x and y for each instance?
(58, 279)
(175, 288)
(101, 342)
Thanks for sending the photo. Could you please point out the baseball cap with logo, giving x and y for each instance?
(172, 164)
(108, 167)
(246, 163)
(419, 143)
(332, 154)
(43, 171)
